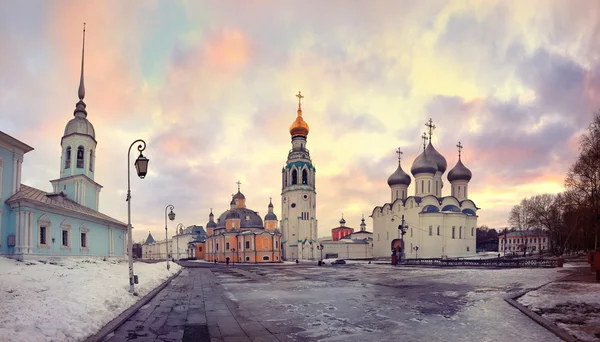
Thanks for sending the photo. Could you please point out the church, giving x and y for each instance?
(299, 196)
(65, 222)
(435, 226)
(239, 235)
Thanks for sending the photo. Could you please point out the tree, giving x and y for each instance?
(583, 178)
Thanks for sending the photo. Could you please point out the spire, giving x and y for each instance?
(299, 127)
(270, 204)
(80, 107)
(211, 215)
(342, 221)
(363, 225)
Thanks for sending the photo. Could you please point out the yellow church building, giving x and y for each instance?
(240, 235)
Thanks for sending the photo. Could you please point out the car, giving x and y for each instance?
(339, 262)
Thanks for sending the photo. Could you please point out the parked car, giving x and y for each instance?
(339, 262)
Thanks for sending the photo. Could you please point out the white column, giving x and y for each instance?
(14, 182)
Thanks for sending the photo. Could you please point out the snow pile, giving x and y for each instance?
(574, 307)
(70, 299)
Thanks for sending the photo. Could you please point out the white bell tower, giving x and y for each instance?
(299, 196)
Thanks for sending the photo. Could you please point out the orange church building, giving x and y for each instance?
(240, 235)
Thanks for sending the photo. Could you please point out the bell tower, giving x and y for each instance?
(78, 146)
(299, 196)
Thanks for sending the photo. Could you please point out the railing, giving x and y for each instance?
(509, 263)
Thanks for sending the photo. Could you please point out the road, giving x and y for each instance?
(342, 303)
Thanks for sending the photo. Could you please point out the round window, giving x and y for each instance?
(305, 197)
(293, 205)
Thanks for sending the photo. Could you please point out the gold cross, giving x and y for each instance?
(238, 183)
(460, 147)
(300, 97)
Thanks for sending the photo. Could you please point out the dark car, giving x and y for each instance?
(339, 262)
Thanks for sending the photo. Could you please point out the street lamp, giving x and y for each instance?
(402, 229)
(171, 217)
(141, 167)
(179, 230)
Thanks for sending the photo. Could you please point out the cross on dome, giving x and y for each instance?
(300, 97)
(429, 124)
(460, 147)
(238, 184)
(424, 137)
(399, 152)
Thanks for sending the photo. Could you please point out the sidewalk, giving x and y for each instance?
(193, 307)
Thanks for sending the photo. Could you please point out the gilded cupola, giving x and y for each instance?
(299, 127)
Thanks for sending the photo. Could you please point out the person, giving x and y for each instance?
(215, 261)
(227, 261)
(296, 260)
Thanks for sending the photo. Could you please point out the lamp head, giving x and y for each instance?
(141, 166)
(171, 215)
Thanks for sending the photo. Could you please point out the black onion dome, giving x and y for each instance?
(211, 224)
(239, 195)
(399, 177)
(459, 172)
(270, 217)
(439, 159)
(248, 218)
(423, 164)
(342, 221)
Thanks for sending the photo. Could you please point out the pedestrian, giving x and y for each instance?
(227, 261)
(296, 261)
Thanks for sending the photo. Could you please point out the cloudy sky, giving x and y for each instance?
(210, 86)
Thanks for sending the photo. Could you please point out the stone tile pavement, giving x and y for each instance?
(194, 307)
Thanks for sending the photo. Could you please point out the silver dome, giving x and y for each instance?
(80, 125)
(399, 177)
(270, 217)
(248, 218)
(423, 164)
(433, 154)
(459, 172)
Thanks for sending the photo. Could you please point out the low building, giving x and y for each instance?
(157, 250)
(355, 245)
(532, 241)
(183, 244)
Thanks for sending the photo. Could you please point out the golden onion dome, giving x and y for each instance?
(299, 127)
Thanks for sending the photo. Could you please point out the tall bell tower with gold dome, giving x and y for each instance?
(299, 196)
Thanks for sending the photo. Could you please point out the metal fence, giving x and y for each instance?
(508, 263)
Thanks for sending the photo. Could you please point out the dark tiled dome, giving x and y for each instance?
(439, 159)
(423, 164)
(459, 172)
(248, 218)
(399, 177)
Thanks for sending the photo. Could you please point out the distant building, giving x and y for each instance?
(436, 225)
(137, 250)
(347, 244)
(240, 236)
(65, 222)
(185, 241)
(157, 250)
(533, 241)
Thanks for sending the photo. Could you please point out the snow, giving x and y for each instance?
(68, 299)
(574, 307)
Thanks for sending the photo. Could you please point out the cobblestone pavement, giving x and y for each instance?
(194, 307)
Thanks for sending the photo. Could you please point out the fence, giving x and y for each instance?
(507, 263)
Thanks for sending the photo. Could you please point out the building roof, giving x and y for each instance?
(149, 239)
(58, 201)
(523, 233)
(15, 142)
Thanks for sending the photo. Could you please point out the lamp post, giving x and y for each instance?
(417, 250)
(179, 230)
(171, 217)
(402, 229)
(141, 167)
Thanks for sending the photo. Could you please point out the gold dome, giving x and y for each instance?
(299, 127)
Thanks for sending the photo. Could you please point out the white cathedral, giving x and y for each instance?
(435, 226)
(299, 197)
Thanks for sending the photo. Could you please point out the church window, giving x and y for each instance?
(293, 205)
(438, 230)
(428, 186)
(199, 248)
(91, 160)
(460, 232)
(304, 177)
(276, 244)
(459, 190)
(247, 217)
(68, 158)
(65, 238)
(247, 258)
(294, 176)
(84, 240)
(467, 248)
(402, 193)
(217, 246)
(472, 231)
(43, 235)
(396, 194)
(265, 258)
(411, 232)
(430, 230)
(248, 244)
(227, 246)
(436, 187)
(453, 232)
(80, 151)
(422, 186)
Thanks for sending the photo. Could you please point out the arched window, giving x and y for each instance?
(80, 151)
(438, 230)
(436, 188)
(460, 232)
(68, 158)
(430, 230)
(453, 232)
(422, 186)
(294, 176)
(91, 160)
(472, 231)
(304, 177)
(458, 191)
(428, 186)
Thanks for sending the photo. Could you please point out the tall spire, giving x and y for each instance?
(80, 107)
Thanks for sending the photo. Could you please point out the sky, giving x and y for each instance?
(210, 86)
